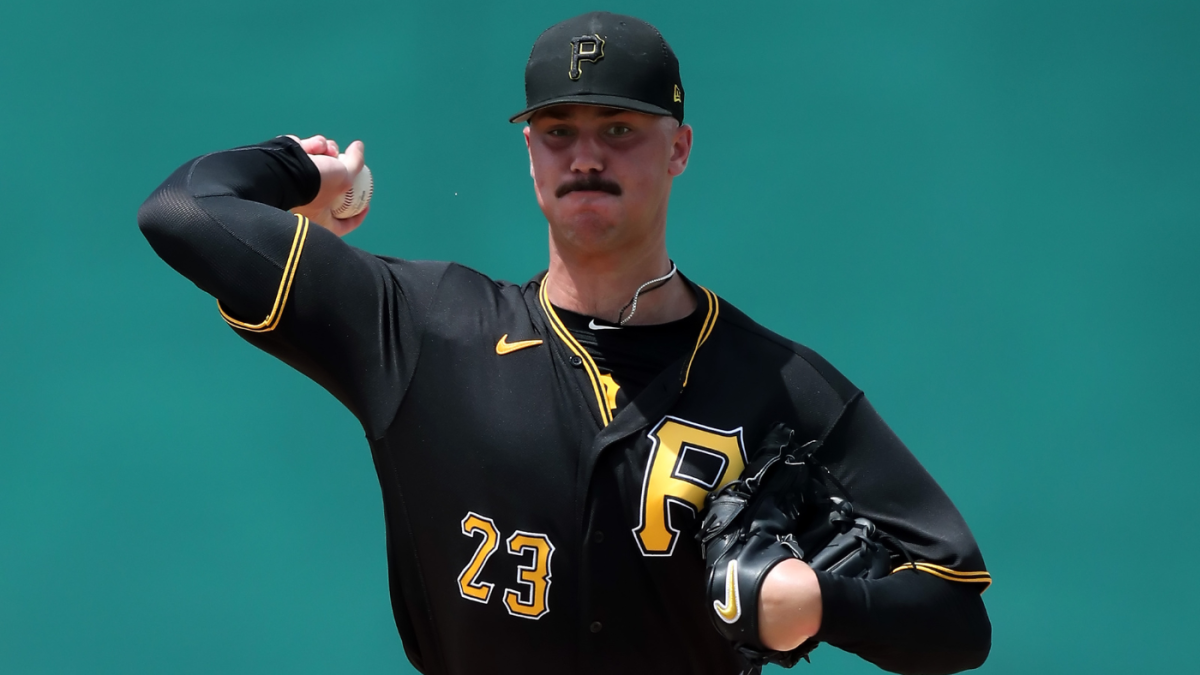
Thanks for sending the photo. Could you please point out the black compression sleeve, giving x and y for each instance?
(909, 622)
(347, 319)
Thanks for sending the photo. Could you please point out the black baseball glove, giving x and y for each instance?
(785, 505)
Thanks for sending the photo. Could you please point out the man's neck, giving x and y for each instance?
(601, 286)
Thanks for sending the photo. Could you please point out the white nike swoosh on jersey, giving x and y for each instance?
(595, 326)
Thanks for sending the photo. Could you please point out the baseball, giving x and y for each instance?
(354, 200)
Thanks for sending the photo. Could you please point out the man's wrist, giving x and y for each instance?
(790, 607)
(305, 179)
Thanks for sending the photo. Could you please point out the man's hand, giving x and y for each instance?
(789, 608)
(336, 178)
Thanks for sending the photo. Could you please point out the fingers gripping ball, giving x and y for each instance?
(355, 200)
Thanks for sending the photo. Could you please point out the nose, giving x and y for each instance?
(588, 156)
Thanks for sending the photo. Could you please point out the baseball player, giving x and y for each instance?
(545, 450)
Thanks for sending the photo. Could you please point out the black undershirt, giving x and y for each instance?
(633, 355)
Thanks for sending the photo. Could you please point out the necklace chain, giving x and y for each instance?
(632, 304)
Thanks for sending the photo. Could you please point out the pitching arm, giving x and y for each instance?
(345, 318)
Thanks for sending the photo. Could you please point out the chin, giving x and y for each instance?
(586, 230)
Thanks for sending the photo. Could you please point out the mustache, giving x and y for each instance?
(589, 182)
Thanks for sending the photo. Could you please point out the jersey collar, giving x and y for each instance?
(703, 295)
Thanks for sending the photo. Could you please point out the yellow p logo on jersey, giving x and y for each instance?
(687, 462)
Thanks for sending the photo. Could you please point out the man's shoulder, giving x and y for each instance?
(443, 273)
(747, 336)
(451, 288)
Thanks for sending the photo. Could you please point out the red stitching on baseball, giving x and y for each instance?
(348, 200)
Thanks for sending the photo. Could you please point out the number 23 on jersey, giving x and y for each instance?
(530, 599)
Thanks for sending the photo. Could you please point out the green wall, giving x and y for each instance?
(985, 213)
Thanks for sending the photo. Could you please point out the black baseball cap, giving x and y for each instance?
(604, 59)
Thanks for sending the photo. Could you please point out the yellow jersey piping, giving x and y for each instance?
(589, 366)
(949, 574)
(710, 321)
(285, 286)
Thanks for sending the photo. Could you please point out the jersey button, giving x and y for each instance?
(596, 626)
(598, 536)
(576, 361)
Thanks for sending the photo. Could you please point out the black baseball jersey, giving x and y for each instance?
(538, 522)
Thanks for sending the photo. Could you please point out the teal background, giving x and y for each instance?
(984, 213)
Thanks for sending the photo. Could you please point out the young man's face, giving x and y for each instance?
(603, 175)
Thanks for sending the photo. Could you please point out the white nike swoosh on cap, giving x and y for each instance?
(595, 326)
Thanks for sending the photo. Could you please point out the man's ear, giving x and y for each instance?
(681, 150)
(527, 130)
